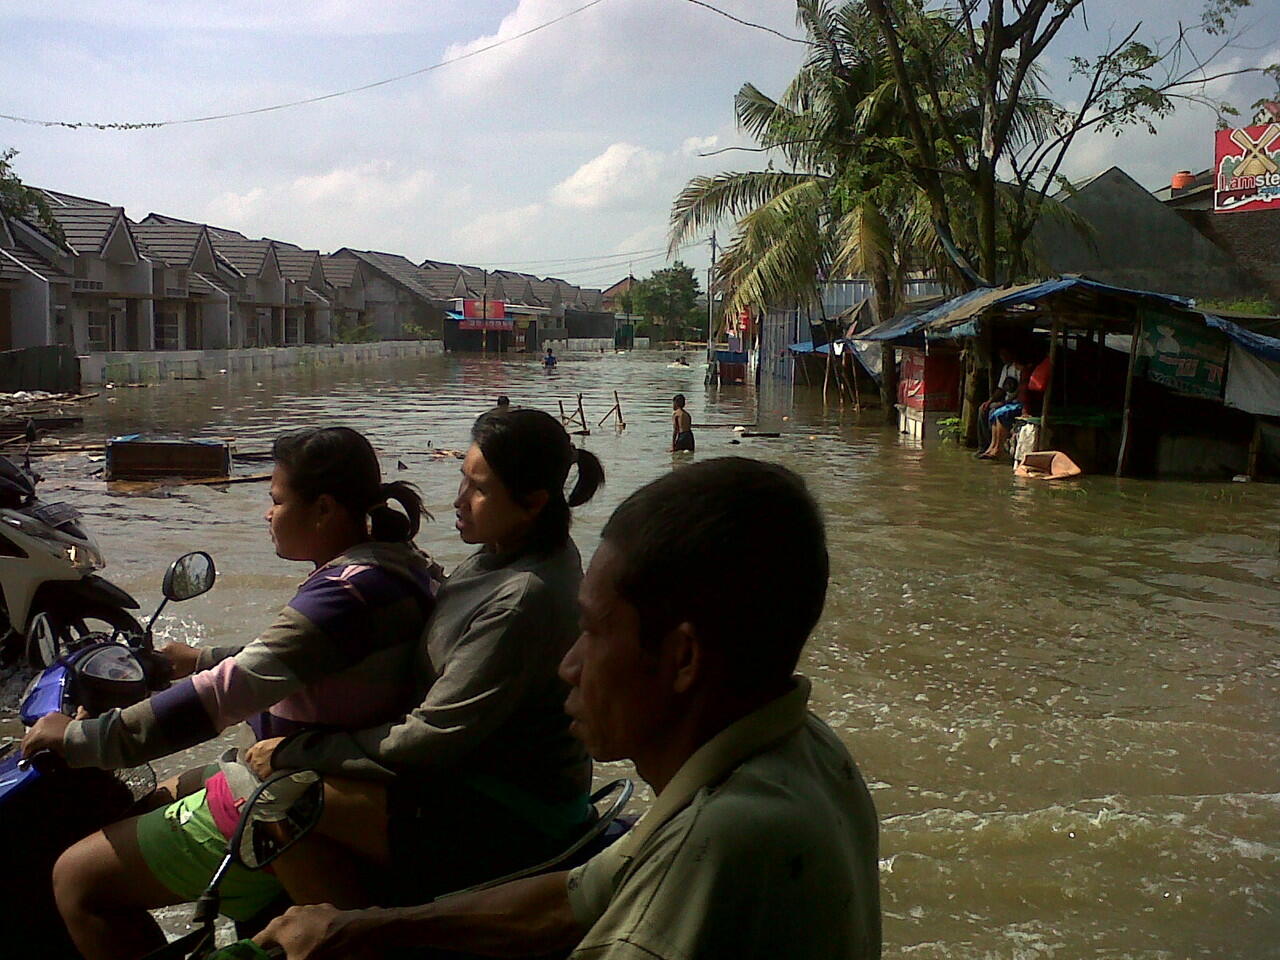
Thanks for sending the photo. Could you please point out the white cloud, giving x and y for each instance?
(692, 146)
(488, 234)
(622, 172)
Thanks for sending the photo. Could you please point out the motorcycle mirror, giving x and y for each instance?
(189, 576)
(281, 812)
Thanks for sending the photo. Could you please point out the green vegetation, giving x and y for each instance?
(1258, 306)
(19, 200)
(668, 299)
(920, 137)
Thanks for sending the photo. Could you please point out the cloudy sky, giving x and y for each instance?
(561, 146)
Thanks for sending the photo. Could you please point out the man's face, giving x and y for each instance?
(618, 699)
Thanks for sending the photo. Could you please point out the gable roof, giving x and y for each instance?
(396, 268)
(295, 263)
(247, 256)
(340, 271)
(28, 262)
(88, 229)
(174, 244)
(215, 232)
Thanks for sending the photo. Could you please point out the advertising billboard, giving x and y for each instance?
(1247, 169)
(484, 315)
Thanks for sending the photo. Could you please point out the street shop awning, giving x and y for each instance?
(1253, 369)
(958, 316)
(867, 356)
(1258, 344)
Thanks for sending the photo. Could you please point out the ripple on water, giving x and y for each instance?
(1065, 698)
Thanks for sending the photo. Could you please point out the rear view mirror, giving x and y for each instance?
(279, 814)
(189, 576)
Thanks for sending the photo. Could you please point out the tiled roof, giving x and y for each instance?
(205, 284)
(296, 263)
(9, 270)
(172, 243)
(87, 228)
(215, 232)
(339, 271)
(59, 199)
(247, 256)
(36, 263)
(398, 269)
(440, 279)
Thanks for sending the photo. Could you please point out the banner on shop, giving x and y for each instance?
(1246, 169)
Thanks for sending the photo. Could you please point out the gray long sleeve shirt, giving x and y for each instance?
(492, 703)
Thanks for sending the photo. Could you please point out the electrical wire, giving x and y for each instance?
(154, 124)
(748, 23)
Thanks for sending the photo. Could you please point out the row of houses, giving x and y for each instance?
(110, 284)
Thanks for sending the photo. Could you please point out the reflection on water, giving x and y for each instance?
(1065, 697)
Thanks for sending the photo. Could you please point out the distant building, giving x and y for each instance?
(1135, 240)
(397, 298)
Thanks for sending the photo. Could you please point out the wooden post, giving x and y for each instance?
(889, 382)
(1255, 448)
(1126, 430)
(1042, 437)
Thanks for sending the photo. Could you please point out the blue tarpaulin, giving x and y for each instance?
(958, 316)
(1260, 345)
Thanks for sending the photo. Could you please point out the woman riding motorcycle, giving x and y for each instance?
(483, 776)
(337, 656)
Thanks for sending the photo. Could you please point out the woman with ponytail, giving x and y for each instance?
(340, 655)
(482, 777)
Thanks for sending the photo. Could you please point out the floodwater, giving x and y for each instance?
(1066, 698)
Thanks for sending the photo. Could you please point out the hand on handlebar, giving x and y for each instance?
(46, 734)
(316, 932)
(180, 657)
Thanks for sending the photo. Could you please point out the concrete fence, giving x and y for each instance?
(154, 366)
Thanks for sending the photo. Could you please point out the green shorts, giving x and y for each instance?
(183, 847)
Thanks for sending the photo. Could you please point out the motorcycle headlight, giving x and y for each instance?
(84, 557)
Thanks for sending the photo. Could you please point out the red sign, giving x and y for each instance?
(1247, 169)
(484, 315)
(484, 309)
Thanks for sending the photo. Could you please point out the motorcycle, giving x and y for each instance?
(281, 811)
(45, 806)
(48, 562)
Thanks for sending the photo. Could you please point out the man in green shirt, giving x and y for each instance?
(762, 838)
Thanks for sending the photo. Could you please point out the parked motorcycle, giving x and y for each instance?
(52, 595)
(45, 806)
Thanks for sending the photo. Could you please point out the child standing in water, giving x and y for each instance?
(681, 425)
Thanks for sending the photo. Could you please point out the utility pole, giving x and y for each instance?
(484, 310)
(711, 306)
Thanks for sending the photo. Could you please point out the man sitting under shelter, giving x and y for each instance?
(762, 840)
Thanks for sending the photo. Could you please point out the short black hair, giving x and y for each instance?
(735, 547)
(678, 400)
(504, 400)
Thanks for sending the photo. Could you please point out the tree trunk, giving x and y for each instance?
(885, 308)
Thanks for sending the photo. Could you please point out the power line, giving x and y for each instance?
(600, 264)
(747, 23)
(153, 124)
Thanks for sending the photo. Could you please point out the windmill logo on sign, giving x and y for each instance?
(1247, 173)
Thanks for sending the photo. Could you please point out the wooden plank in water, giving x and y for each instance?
(156, 459)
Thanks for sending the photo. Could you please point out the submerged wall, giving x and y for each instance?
(153, 366)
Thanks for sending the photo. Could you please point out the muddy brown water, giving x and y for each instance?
(1065, 698)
